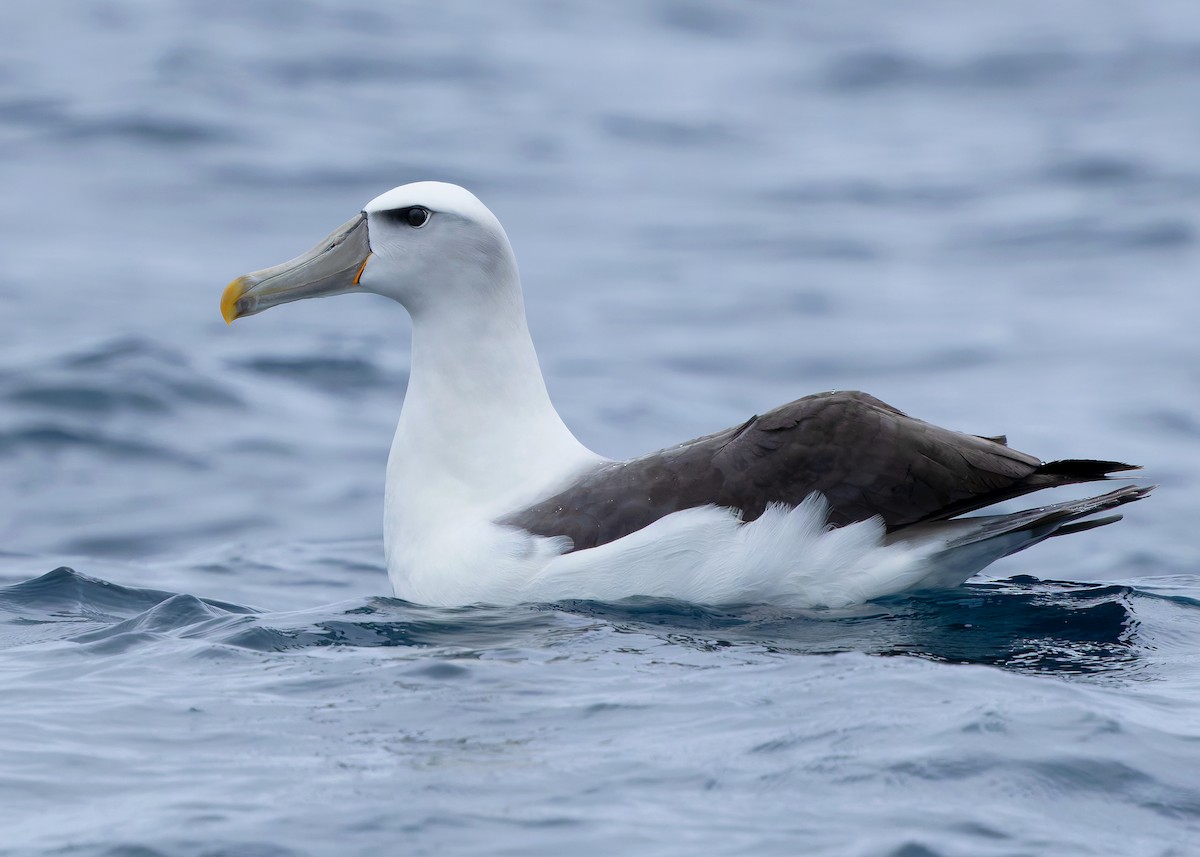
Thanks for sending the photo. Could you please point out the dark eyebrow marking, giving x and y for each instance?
(400, 215)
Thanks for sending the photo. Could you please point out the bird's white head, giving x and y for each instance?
(425, 244)
(434, 243)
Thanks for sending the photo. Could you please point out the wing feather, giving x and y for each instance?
(868, 459)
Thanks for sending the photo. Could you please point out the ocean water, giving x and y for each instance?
(984, 215)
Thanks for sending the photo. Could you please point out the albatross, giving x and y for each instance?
(828, 501)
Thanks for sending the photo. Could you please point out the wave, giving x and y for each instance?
(1021, 623)
(133, 375)
(338, 375)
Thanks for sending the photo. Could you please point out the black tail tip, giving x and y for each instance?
(1086, 468)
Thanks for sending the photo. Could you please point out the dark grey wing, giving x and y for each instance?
(865, 456)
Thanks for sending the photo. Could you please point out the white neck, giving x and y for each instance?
(478, 430)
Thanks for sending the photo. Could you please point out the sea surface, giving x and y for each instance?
(987, 215)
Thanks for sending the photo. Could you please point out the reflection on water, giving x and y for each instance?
(1020, 624)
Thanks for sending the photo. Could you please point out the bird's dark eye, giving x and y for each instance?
(417, 216)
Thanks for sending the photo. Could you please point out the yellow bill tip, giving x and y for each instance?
(229, 299)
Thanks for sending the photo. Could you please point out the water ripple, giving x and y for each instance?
(1020, 624)
(325, 373)
(114, 376)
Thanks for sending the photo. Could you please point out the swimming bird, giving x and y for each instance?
(828, 501)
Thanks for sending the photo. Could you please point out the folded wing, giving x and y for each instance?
(867, 458)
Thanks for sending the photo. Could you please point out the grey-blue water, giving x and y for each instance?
(985, 214)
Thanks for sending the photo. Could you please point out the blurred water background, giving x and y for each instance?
(986, 215)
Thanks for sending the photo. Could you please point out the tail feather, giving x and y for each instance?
(966, 545)
(1043, 522)
(1081, 526)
